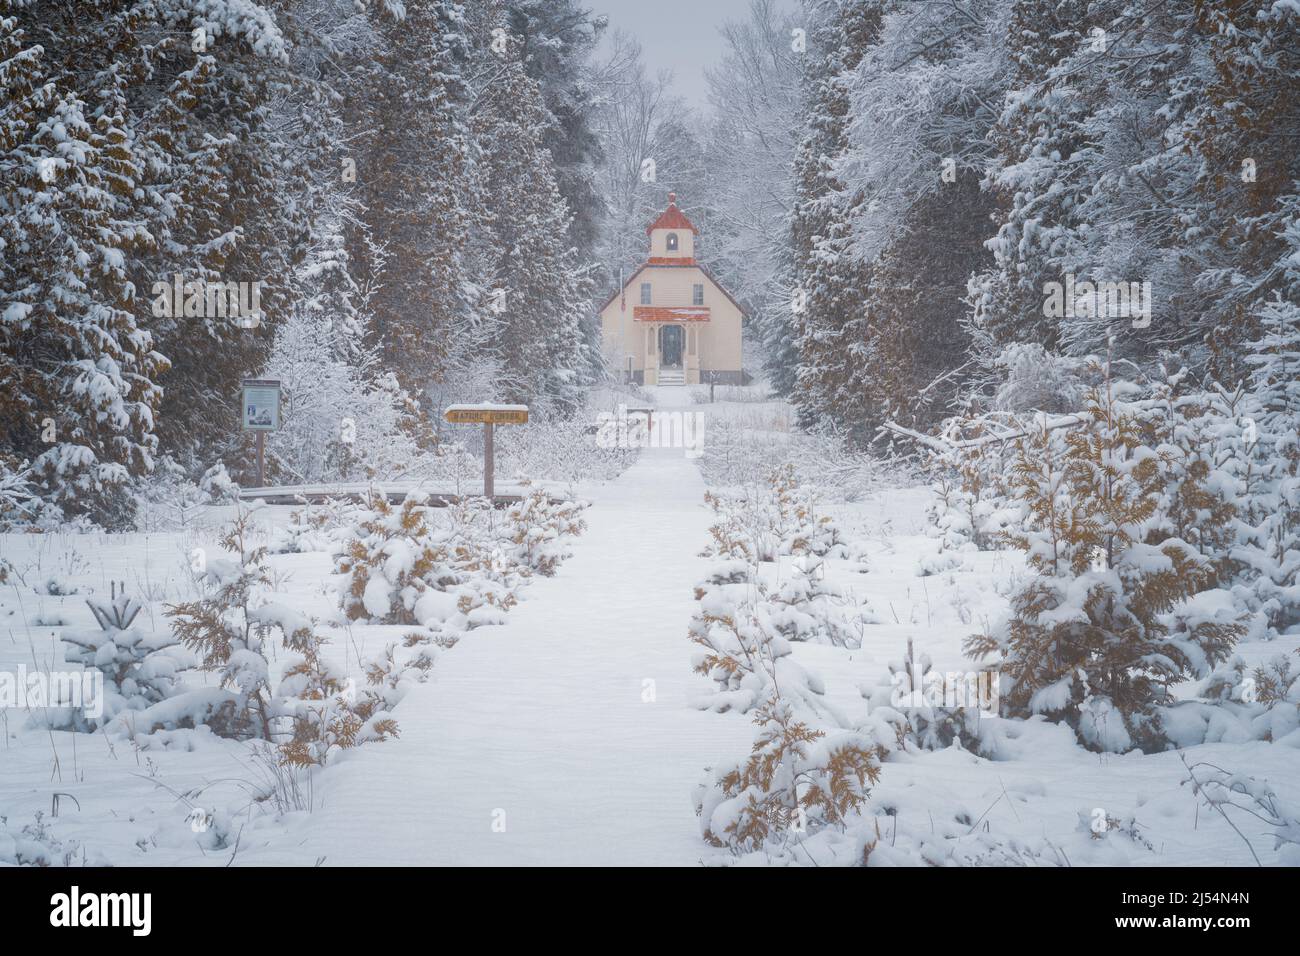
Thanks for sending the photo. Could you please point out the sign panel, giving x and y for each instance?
(260, 405)
(487, 414)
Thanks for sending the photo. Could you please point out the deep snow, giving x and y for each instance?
(543, 740)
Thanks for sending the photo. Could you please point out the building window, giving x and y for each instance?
(645, 293)
(697, 294)
(672, 242)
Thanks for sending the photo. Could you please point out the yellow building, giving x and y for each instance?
(672, 323)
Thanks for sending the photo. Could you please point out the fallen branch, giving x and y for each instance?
(944, 444)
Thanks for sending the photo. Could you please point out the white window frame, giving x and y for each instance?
(645, 293)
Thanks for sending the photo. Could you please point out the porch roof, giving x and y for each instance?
(670, 313)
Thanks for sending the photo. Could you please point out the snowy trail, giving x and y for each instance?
(543, 718)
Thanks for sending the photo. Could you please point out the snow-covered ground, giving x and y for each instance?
(564, 736)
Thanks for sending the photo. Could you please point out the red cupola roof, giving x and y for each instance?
(671, 218)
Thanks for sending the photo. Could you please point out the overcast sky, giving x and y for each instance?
(676, 35)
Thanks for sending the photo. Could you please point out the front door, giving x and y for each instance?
(671, 346)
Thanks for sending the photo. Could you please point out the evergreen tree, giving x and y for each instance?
(1088, 639)
(557, 39)
(755, 125)
(1240, 128)
(78, 373)
(1039, 178)
(404, 113)
(197, 101)
(829, 281)
(523, 239)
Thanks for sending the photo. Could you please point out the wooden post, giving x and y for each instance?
(489, 415)
(261, 459)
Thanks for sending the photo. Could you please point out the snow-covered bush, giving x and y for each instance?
(453, 572)
(806, 607)
(796, 779)
(559, 448)
(746, 451)
(537, 529)
(742, 651)
(397, 569)
(313, 709)
(742, 625)
(912, 700)
(1266, 438)
(342, 418)
(807, 771)
(35, 844)
(139, 668)
(20, 502)
(167, 499)
(1243, 704)
(1032, 379)
(325, 710)
(774, 517)
(314, 527)
(1091, 638)
(972, 506)
(228, 636)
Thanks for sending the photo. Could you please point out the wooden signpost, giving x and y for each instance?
(489, 416)
(260, 413)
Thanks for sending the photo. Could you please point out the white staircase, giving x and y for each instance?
(672, 376)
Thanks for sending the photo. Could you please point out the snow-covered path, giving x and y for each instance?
(540, 725)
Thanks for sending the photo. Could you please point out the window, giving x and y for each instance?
(645, 293)
(672, 242)
(697, 294)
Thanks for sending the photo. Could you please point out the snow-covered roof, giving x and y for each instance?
(671, 218)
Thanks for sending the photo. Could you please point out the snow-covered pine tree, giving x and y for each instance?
(755, 125)
(921, 104)
(78, 373)
(557, 39)
(1037, 177)
(829, 283)
(1271, 538)
(1246, 190)
(343, 416)
(227, 627)
(405, 116)
(1087, 640)
(189, 106)
(522, 233)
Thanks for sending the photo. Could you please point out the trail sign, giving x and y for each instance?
(260, 403)
(488, 415)
(259, 412)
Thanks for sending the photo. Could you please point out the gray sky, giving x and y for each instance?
(676, 35)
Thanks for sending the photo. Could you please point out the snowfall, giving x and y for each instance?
(566, 734)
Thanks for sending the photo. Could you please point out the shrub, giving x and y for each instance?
(1090, 638)
(140, 669)
(795, 778)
